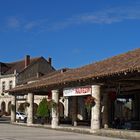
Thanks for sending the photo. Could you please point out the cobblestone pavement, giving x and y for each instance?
(14, 132)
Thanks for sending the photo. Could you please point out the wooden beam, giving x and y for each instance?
(123, 89)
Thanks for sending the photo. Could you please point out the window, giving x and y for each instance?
(10, 84)
(3, 86)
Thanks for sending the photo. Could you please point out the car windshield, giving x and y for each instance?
(22, 113)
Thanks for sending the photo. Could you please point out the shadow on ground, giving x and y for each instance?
(5, 119)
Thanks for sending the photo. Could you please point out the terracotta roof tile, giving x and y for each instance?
(18, 65)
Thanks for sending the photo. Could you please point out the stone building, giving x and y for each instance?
(19, 73)
(105, 81)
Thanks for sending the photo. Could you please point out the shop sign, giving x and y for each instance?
(78, 91)
(20, 97)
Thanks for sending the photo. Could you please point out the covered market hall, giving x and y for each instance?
(105, 94)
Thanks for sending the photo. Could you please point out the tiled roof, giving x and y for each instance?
(4, 67)
(18, 65)
(55, 72)
(127, 62)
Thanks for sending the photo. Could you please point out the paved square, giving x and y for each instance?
(14, 132)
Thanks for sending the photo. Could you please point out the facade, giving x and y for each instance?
(14, 74)
(6, 82)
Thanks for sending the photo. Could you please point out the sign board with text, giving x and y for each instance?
(77, 91)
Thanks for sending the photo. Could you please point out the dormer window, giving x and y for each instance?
(3, 86)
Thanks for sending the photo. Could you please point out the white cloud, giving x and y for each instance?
(36, 24)
(13, 22)
(30, 25)
(21, 24)
(107, 16)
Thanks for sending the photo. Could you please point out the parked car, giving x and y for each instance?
(21, 116)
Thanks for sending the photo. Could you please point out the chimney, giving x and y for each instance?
(63, 70)
(50, 61)
(27, 60)
(15, 72)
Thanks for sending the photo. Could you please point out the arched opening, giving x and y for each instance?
(35, 108)
(3, 106)
(61, 110)
(21, 107)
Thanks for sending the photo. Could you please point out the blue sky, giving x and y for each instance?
(73, 32)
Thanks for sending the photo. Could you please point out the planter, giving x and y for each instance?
(53, 104)
(89, 103)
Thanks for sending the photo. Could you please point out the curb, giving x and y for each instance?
(124, 134)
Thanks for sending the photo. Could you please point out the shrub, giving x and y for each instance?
(43, 109)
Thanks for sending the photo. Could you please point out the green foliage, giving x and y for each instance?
(21, 108)
(52, 104)
(43, 108)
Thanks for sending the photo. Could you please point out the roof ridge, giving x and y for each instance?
(22, 60)
(19, 65)
(109, 58)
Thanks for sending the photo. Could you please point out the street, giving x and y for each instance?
(14, 132)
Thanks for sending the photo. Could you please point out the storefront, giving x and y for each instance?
(77, 110)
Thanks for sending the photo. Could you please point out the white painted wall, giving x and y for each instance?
(7, 78)
(6, 98)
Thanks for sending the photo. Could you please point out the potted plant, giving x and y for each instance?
(2, 93)
(53, 104)
(26, 104)
(89, 102)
